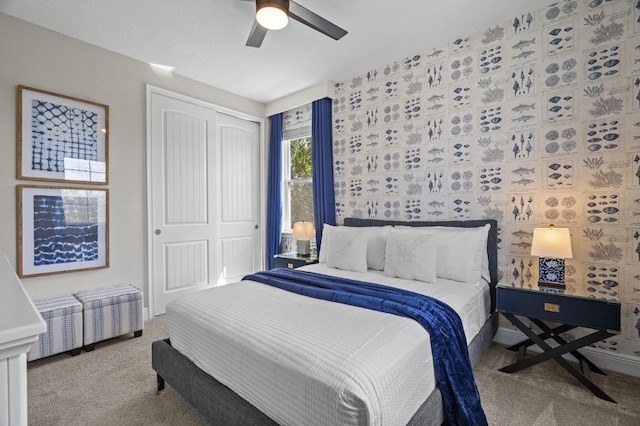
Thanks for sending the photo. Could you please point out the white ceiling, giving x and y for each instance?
(205, 39)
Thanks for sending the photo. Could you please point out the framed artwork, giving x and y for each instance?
(62, 229)
(61, 138)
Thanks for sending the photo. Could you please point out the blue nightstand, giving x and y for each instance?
(292, 260)
(569, 311)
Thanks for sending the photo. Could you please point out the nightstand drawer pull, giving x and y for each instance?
(551, 307)
(290, 265)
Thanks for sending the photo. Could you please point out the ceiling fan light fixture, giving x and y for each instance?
(272, 14)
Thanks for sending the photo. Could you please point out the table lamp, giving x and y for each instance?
(303, 232)
(552, 245)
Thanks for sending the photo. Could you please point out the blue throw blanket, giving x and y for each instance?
(448, 343)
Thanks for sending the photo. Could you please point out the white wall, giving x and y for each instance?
(39, 58)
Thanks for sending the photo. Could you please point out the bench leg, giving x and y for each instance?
(75, 351)
(160, 383)
(90, 347)
(137, 333)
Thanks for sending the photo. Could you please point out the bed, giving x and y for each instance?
(196, 366)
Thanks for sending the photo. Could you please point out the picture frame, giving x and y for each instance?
(61, 138)
(62, 229)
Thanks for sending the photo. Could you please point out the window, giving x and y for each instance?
(298, 191)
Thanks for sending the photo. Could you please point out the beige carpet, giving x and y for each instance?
(112, 385)
(546, 394)
(115, 385)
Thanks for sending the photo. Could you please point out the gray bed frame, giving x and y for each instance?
(221, 406)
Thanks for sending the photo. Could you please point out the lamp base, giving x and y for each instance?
(303, 247)
(551, 273)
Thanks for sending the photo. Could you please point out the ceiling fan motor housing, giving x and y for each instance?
(278, 4)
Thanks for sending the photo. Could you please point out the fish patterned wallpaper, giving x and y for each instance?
(531, 121)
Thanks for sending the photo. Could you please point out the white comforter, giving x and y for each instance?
(304, 361)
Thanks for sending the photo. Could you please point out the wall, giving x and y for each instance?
(530, 121)
(300, 99)
(46, 60)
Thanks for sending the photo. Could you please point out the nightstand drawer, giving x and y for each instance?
(280, 262)
(292, 260)
(562, 308)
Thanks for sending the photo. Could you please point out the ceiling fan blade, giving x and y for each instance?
(317, 22)
(256, 35)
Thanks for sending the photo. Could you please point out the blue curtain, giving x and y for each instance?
(324, 203)
(274, 190)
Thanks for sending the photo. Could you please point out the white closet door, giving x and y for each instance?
(238, 201)
(202, 197)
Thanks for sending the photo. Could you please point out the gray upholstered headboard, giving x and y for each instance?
(492, 241)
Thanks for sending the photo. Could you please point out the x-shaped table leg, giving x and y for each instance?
(556, 354)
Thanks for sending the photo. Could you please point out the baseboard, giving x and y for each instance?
(607, 360)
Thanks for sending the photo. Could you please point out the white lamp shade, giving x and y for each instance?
(303, 230)
(272, 16)
(552, 243)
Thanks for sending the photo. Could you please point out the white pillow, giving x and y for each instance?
(324, 245)
(376, 237)
(461, 253)
(411, 255)
(348, 250)
(486, 275)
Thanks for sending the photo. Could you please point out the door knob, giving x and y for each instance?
(157, 232)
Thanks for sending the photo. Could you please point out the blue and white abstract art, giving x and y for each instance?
(61, 138)
(62, 230)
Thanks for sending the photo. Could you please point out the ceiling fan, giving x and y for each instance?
(275, 14)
